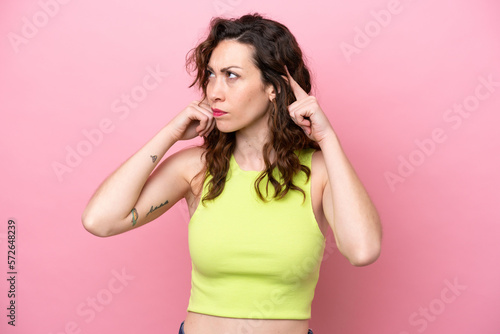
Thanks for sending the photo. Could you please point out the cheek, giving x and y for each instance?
(254, 96)
(208, 89)
(260, 101)
(251, 97)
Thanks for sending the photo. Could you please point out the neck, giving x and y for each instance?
(250, 146)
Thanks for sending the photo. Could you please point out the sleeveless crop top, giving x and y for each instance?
(255, 259)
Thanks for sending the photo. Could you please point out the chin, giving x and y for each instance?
(225, 129)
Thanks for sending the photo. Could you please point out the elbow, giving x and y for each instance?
(365, 258)
(93, 226)
(370, 250)
(366, 254)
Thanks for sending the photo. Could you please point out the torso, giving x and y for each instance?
(208, 324)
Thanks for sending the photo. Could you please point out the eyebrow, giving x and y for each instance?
(224, 69)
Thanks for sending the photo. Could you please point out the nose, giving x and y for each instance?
(216, 89)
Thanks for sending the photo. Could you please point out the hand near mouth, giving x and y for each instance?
(195, 120)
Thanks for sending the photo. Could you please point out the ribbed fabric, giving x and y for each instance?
(252, 259)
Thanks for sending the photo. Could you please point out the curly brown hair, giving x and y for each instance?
(274, 47)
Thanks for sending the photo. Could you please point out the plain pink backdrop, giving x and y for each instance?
(390, 75)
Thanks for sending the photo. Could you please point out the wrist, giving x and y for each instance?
(328, 139)
(169, 135)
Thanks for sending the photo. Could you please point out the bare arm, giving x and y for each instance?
(346, 205)
(132, 195)
(348, 208)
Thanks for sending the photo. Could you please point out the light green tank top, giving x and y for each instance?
(252, 259)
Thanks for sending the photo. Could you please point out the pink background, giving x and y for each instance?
(391, 102)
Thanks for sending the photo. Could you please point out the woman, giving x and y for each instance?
(262, 190)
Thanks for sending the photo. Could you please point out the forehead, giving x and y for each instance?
(231, 53)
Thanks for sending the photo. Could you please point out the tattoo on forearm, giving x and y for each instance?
(156, 207)
(154, 157)
(135, 216)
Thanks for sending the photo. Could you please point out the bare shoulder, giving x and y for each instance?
(191, 154)
(189, 160)
(319, 174)
(318, 167)
(319, 182)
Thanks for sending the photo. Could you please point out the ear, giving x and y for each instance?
(271, 93)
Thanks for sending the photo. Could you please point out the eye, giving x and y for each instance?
(231, 75)
(209, 73)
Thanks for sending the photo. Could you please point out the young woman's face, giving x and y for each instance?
(235, 90)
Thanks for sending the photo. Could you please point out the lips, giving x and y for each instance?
(218, 112)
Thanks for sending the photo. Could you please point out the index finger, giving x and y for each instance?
(204, 102)
(297, 90)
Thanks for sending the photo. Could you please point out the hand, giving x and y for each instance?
(196, 120)
(307, 113)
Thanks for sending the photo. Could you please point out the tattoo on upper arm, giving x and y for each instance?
(154, 157)
(156, 207)
(135, 216)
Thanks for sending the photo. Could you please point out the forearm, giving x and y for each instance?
(354, 221)
(117, 195)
